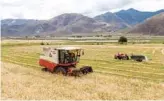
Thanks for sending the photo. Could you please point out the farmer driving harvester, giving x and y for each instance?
(70, 56)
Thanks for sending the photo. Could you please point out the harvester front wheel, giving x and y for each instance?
(61, 71)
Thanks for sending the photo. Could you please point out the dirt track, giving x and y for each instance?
(25, 83)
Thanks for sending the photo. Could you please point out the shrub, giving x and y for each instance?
(107, 35)
(133, 42)
(37, 36)
(122, 40)
(42, 43)
(98, 43)
(78, 36)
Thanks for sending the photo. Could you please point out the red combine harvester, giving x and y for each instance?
(63, 61)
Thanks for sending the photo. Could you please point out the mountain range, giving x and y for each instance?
(70, 23)
(61, 25)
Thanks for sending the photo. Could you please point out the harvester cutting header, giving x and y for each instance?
(63, 61)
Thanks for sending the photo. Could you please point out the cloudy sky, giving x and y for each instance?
(46, 9)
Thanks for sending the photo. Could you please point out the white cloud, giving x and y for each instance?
(46, 9)
(147, 5)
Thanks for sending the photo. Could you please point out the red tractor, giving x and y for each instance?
(63, 61)
(121, 56)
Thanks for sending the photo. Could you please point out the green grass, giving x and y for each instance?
(100, 57)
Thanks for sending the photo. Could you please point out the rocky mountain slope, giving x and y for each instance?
(113, 19)
(126, 17)
(151, 26)
(63, 24)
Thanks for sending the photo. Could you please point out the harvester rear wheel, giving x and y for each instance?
(61, 71)
(44, 69)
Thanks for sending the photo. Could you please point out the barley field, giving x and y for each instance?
(112, 79)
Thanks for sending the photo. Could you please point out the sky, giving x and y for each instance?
(46, 9)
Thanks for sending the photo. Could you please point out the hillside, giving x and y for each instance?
(20, 27)
(76, 23)
(113, 19)
(151, 26)
(125, 18)
(132, 16)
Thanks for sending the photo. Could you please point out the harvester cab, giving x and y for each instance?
(63, 60)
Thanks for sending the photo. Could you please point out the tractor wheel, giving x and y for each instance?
(139, 60)
(126, 58)
(115, 57)
(44, 69)
(61, 71)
